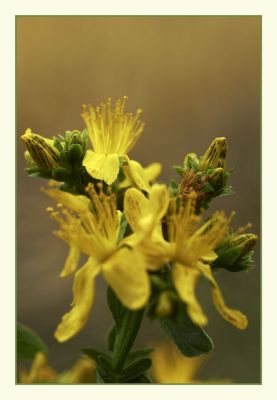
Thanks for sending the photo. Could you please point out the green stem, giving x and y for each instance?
(126, 337)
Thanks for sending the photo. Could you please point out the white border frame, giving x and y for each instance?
(8, 12)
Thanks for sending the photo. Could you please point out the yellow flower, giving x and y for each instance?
(41, 150)
(94, 231)
(113, 133)
(169, 366)
(189, 247)
(83, 371)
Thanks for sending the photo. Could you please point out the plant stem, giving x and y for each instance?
(126, 337)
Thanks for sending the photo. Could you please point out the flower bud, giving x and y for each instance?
(29, 159)
(41, 150)
(216, 178)
(60, 174)
(190, 162)
(165, 305)
(76, 139)
(215, 156)
(243, 243)
(235, 254)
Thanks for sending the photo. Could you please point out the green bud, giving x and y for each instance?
(75, 152)
(191, 162)
(76, 143)
(60, 174)
(41, 150)
(73, 137)
(244, 243)
(216, 178)
(29, 159)
(235, 254)
(215, 156)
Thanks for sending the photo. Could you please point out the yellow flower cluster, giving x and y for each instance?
(165, 230)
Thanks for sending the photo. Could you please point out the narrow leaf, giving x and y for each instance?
(136, 369)
(93, 353)
(190, 339)
(138, 354)
(28, 343)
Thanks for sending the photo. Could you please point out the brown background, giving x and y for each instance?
(195, 78)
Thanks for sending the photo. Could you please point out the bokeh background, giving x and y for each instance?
(195, 78)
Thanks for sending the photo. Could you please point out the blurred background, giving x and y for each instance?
(195, 78)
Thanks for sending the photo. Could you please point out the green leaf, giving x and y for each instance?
(28, 343)
(208, 188)
(98, 377)
(117, 309)
(93, 353)
(104, 363)
(173, 188)
(138, 354)
(190, 339)
(136, 369)
(104, 370)
(179, 170)
(37, 173)
(226, 191)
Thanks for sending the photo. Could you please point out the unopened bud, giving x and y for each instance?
(60, 174)
(235, 253)
(165, 305)
(29, 159)
(74, 138)
(216, 178)
(41, 150)
(215, 156)
(190, 162)
(75, 152)
(244, 243)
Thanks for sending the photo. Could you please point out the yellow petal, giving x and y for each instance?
(170, 366)
(235, 317)
(83, 371)
(152, 171)
(125, 273)
(185, 279)
(155, 210)
(75, 203)
(134, 205)
(138, 175)
(210, 257)
(83, 297)
(40, 371)
(158, 201)
(102, 166)
(71, 262)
